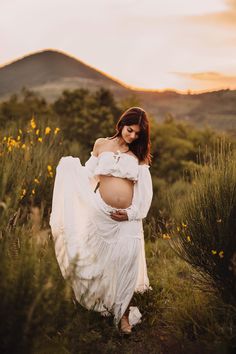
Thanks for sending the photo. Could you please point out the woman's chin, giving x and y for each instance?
(128, 141)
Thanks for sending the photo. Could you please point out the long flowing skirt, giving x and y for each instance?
(103, 258)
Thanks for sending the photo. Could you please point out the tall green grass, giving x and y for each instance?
(38, 311)
(182, 311)
(34, 297)
(205, 224)
(28, 159)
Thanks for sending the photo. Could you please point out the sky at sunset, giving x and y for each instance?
(151, 44)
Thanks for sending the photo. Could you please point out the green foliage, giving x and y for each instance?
(20, 108)
(84, 116)
(28, 158)
(174, 143)
(87, 116)
(33, 293)
(36, 303)
(128, 101)
(188, 318)
(206, 222)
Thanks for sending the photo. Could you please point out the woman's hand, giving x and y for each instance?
(119, 215)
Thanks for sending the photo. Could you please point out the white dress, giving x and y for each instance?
(103, 258)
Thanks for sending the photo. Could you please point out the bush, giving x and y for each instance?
(206, 223)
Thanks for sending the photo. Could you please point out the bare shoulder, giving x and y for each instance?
(97, 145)
(99, 141)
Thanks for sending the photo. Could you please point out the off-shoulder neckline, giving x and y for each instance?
(117, 153)
(123, 153)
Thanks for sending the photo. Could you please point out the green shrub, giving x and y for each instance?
(206, 222)
(34, 297)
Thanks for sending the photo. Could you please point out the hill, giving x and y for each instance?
(49, 72)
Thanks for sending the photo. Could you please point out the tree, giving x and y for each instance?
(87, 116)
(21, 107)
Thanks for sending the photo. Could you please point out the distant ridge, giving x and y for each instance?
(49, 72)
(49, 66)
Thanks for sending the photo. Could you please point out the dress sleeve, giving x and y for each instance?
(90, 166)
(143, 193)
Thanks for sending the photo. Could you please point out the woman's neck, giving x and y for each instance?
(121, 143)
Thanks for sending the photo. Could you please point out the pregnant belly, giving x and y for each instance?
(116, 191)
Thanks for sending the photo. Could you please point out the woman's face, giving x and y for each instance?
(130, 133)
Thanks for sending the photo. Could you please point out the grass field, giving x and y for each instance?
(38, 312)
(177, 317)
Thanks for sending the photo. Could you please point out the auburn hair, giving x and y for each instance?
(141, 146)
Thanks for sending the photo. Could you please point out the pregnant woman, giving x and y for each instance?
(96, 219)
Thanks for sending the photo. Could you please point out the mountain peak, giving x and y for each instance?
(50, 66)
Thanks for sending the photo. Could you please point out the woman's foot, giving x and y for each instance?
(124, 325)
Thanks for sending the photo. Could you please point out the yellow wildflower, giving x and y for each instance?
(33, 191)
(221, 254)
(18, 138)
(49, 167)
(40, 139)
(47, 130)
(188, 238)
(56, 130)
(32, 123)
(51, 174)
(23, 146)
(5, 138)
(20, 131)
(37, 132)
(214, 252)
(178, 228)
(166, 237)
(36, 181)
(23, 193)
(11, 142)
(184, 225)
(9, 148)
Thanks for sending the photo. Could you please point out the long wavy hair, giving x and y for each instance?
(141, 146)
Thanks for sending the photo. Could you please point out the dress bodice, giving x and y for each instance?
(114, 164)
(121, 164)
(117, 164)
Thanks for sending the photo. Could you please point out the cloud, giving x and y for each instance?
(231, 3)
(226, 17)
(208, 76)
